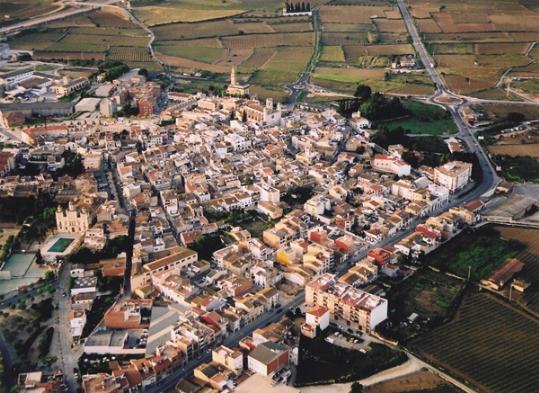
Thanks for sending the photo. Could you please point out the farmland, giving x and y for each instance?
(428, 294)
(257, 40)
(346, 80)
(481, 250)
(97, 36)
(359, 43)
(14, 11)
(480, 344)
(473, 43)
(419, 381)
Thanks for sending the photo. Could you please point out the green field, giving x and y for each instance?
(481, 250)
(424, 119)
(97, 35)
(284, 67)
(204, 54)
(332, 54)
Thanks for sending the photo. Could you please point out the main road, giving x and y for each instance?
(490, 178)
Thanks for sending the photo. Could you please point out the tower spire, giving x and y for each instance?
(233, 76)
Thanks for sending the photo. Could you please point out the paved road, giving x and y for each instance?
(67, 357)
(490, 178)
(301, 84)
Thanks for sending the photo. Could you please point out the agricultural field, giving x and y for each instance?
(268, 50)
(481, 251)
(489, 343)
(14, 11)
(419, 381)
(428, 294)
(424, 119)
(474, 43)
(531, 150)
(530, 257)
(97, 35)
(160, 12)
(360, 41)
(345, 80)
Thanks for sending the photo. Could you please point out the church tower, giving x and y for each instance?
(233, 76)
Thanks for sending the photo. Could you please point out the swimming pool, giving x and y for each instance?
(61, 245)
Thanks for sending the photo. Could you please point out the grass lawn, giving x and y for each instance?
(424, 119)
(482, 249)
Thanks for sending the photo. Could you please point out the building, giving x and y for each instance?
(503, 274)
(7, 162)
(267, 358)
(41, 382)
(453, 175)
(107, 107)
(88, 104)
(264, 115)
(228, 358)
(390, 164)
(235, 88)
(68, 86)
(316, 317)
(355, 307)
(74, 219)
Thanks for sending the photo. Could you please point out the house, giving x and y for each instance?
(267, 358)
(503, 274)
(391, 164)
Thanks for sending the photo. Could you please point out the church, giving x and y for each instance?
(236, 89)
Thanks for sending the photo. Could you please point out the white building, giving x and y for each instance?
(74, 219)
(357, 308)
(390, 164)
(453, 175)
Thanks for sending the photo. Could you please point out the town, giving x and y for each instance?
(157, 240)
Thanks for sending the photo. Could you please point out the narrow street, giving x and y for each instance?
(61, 345)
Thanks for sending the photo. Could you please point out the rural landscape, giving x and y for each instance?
(287, 196)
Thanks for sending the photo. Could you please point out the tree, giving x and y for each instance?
(363, 92)
(356, 388)
(143, 72)
(379, 107)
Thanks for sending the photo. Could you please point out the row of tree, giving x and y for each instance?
(297, 7)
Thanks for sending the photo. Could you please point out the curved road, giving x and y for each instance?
(490, 178)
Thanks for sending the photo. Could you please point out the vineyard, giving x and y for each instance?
(129, 54)
(489, 344)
